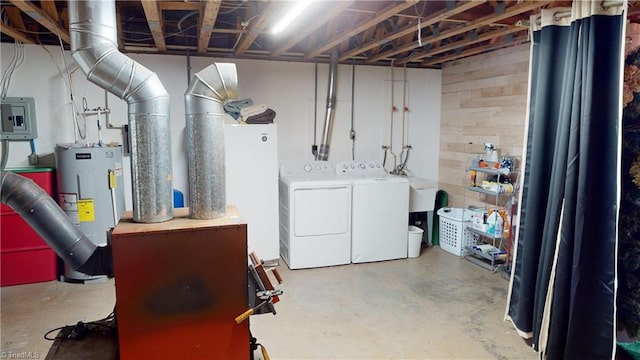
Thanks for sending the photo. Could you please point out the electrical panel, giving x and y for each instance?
(18, 118)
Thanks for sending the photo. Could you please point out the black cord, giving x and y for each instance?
(52, 330)
(82, 327)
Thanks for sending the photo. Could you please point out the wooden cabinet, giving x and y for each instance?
(179, 286)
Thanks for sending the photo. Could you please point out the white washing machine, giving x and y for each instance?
(315, 215)
(380, 211)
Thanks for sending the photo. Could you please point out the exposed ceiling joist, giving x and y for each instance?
(42, 18)
(486, 20)
(154, 19)
(459, 44)
(180, 5)
(207, 22)
(15, 28)
(258, 26)
(49, 6)
(478, 50)
(361, 32)
(434, 19)
(380, 16)
(16, 34)
(15, 19)
(309, 28)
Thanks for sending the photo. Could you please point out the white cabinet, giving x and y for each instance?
(251, 162)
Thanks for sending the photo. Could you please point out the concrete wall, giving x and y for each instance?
(288, 88)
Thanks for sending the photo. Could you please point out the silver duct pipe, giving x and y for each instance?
(44, 215)
(205, 115)
(323, 154)
(92, 26)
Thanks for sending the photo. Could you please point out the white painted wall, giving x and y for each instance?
(287, 88)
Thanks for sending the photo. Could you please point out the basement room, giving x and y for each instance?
(320, 179)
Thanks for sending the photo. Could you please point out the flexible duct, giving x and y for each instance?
(323, 154)
(94, 47)
(205, 118)
(53, 225)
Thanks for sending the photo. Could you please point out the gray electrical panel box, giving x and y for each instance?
(18, 118)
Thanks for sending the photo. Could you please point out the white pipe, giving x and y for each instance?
(390, 147)
(404, 104)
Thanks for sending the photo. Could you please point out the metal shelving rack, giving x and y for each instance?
(489, 254)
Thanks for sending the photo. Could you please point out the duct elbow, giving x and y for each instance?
(53, 225)
(99, 263)
(205, 118)
(92, 27)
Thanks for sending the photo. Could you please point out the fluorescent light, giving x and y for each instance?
(291, 15)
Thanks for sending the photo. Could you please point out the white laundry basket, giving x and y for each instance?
(455, 238)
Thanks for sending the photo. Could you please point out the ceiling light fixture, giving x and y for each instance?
(291, 15)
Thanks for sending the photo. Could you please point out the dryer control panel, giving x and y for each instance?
(306, 167)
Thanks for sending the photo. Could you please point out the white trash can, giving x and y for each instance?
(414, 241)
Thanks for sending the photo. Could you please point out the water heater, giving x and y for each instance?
(91, 192)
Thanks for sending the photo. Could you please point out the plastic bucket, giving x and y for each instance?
(414, 241)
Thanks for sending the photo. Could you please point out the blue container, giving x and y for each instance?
(178, 199)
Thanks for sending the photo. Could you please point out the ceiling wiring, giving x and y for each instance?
(16, 61)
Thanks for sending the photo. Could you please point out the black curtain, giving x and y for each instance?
(563, 285)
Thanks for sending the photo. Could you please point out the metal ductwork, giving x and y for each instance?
(92, 26)
(205, 115)
(323, 153)
(53, 225)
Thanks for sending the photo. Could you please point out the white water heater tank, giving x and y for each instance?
(90, 191)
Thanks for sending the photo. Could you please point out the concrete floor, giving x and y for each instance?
(432, 307)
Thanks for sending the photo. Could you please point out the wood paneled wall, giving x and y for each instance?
(484, 99)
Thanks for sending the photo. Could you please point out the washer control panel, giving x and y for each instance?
(367, 167)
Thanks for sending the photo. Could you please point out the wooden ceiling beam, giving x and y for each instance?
(258, 26)
(64, 14)
(181, 5)
(154, 19)
(380, 16)
(16, 26)
(49, 6)
(470, 41)
(478, 50)
(309, 28)
(42, 18)
(15, 17)
(520, 8)
(16, 34)
(207, 22)
(434, 19)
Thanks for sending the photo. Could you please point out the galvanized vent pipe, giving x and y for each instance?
(92, 26)
(323, 154)
(205, 117)
(53, 225)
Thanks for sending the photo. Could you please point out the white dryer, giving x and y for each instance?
(315, 215)
(380, 211)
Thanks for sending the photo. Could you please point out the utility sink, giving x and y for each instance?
(422, 194)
